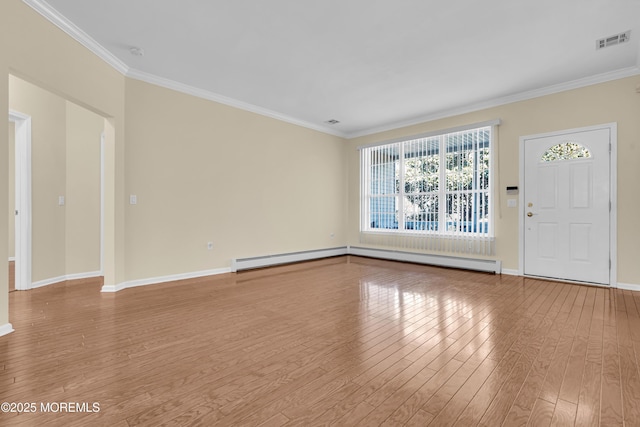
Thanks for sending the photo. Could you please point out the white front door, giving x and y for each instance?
(566, 205)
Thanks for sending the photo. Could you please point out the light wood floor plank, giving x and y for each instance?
(341, 341)
(541, 415)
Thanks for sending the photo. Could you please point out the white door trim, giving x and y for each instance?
(102, 202)
(23, 199)
(613, 194)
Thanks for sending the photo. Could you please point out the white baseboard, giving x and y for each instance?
(6, 329)
(74, 276)
(628, 286)
(239, 264)
(12, 259)
(492, 266)
(114, 288)
(625, 286)
(163, 279)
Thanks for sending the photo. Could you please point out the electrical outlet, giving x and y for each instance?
(209, 245)
(133, 199)
(332, 235)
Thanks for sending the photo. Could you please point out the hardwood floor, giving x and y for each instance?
(344, 341)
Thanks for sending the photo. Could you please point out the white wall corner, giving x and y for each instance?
(6, 329)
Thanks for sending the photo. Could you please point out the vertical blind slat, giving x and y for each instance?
(429, 194)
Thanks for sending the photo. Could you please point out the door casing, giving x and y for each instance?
(612, 127)
(23, 230)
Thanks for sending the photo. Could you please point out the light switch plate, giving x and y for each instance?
(512, 203)
(133, 199)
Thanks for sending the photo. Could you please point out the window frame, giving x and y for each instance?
(441, 193)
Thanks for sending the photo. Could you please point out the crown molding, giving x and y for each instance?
(221, 99)
(53, 16)
(509, 99)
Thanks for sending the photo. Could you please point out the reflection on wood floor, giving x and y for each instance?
(345, 341)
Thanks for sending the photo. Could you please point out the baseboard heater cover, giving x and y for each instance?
(491, 266)
(240, 264)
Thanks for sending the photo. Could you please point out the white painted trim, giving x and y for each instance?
(492, 266)
(60, 21)
(47, 282)
(12, 259)
(613, 194)
(102, 201)
(23, 222)
(510, 272)
(271, 260)
(113, 288)
(509, 99)
(628, 286)
(613, 198)
(6, 329)
(221, 99)
(52, 15)
(163, 279)
(75, 276)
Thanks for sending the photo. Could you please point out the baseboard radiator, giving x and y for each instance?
(487, 265)
(491, 266)
(240, 264)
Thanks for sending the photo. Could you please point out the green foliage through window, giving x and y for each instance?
(565, 151)
(438, 184)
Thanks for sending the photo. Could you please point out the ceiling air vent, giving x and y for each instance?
(613, 40)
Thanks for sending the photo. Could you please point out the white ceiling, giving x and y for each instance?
(371, 64)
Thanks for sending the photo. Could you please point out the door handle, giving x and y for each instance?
(530, 214)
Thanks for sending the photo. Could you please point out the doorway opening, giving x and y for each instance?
(22, 201)
(59, 206)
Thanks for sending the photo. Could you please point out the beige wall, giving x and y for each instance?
(48, 166)
(37, 51)
(65, 161)
(12, 190)
(615, 101)
(205, 172)
(82, 222)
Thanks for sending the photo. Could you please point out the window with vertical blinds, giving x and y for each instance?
(438, 187)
